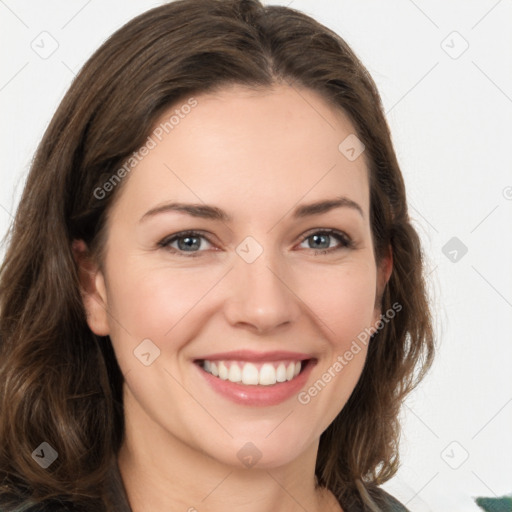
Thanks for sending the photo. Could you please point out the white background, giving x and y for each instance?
(451, 124)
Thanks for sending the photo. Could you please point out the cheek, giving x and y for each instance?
(155, 302)
(343, 299)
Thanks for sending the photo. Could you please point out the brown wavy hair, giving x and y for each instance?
(59, 382)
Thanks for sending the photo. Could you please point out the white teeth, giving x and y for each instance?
(235, 374)
(281, 373)
(267, 375)
(290, 370)
(223, 371)
(248, 373)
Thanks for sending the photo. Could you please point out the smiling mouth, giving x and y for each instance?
(254, 373)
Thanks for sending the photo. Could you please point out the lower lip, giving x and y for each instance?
(258, 395)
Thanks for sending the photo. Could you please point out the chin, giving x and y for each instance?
(261, 451)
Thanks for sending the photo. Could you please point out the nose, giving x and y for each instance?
(260, 296)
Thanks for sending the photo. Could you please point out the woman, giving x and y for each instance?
(174, 333)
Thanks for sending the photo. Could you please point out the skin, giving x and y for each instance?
(257, 155)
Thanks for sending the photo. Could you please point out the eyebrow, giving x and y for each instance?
(205, 211)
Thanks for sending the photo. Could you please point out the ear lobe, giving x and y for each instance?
(92, 289)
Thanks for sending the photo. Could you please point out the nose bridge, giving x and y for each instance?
(259, 295)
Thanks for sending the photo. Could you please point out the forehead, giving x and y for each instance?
(249, 147)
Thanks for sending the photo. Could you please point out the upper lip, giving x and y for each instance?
(249, 355)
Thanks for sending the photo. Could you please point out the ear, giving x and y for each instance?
(92, 288)
(384, 271)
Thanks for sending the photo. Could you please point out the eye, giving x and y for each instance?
(187, 242)
(321, 240)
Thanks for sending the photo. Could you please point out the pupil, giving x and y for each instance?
(317, 237)
(188, 242)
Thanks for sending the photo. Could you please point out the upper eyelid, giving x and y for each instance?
(185, 233)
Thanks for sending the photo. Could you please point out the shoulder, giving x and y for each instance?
(387, 502)
(384, 501)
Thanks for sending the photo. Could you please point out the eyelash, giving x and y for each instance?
(346, 241)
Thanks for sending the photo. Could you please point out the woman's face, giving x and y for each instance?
(266, 285)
